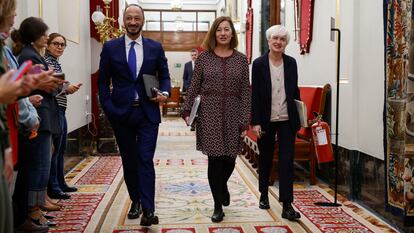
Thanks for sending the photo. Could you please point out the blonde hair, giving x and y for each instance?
(7, 9)
(277, 30)
(210, 42)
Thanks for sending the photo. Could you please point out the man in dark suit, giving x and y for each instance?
(188, 70)
(134, 116)
(274, 90)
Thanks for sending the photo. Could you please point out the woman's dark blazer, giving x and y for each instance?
(262, 91)
(47, 111)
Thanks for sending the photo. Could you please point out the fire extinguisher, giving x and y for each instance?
(322, 141)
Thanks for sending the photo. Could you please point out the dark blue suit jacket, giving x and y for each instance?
(188, 73)
(114, 68)
(262, 91)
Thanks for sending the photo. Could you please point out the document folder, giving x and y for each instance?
(303, 113)
(150, 81)
(194, 110)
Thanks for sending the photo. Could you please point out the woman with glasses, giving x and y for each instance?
(57, 187)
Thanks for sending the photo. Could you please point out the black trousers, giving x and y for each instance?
(286, 138)
(218, 172)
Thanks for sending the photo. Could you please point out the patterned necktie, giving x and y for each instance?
(132, 60)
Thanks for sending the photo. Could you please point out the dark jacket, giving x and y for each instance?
(188, 73)
(47, 111)
(113, 69)
(262, 91)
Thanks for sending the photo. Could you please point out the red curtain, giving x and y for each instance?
(306, 25)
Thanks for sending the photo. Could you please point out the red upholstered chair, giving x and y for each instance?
(173, 103)
(314, 98)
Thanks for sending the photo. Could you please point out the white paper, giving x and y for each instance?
(194, 110)
(321, 135)
(303, 113)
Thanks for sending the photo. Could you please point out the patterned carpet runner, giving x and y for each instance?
(184, 203)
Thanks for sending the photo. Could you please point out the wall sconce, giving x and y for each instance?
(105, 24)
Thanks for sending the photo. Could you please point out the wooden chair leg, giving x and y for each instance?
(312, 169)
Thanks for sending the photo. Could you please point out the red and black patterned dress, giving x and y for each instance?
(224, 111)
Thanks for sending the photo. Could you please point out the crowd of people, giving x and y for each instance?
(33, 124)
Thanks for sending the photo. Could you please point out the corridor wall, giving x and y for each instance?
(76, 61)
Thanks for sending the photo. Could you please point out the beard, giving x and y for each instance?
(133, 33)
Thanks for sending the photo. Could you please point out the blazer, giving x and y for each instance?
(262, 91)
(113, 68)
(47, 110)
(188, 73)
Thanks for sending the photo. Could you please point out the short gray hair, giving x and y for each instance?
(277, 30)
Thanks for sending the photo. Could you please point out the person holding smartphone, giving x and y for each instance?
(33, 35)
(57, 187)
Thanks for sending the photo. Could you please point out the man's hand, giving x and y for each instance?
(160, 98)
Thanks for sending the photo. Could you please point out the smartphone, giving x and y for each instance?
(22, 70)
(59, 75)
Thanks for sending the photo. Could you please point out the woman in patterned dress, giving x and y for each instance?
(221, 78)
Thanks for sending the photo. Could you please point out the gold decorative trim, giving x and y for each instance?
(40, 8)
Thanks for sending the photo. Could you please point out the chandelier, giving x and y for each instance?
(104, 24)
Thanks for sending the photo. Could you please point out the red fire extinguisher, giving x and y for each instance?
(322, 141)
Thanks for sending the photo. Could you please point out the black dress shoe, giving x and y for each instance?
(59, 195)
(226, 200)
(135, 210)
(70, 189)
(48, 216)
(264, 202)
(218, 215)
(289, 213)
(148, 218)
(30, 226)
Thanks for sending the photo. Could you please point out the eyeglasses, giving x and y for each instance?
(57, 44)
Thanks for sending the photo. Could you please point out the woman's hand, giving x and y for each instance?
(9, 88)
(36, 100)
(73, 88)
(8, 166)
(186, 119)
(47, 82)
(257, 130)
